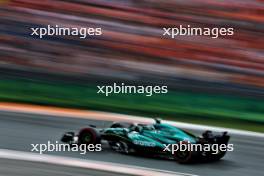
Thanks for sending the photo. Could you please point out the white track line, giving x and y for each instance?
(86, 164)
(218, 129)
(107, 116)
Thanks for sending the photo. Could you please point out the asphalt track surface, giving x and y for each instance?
(19, 130)
(25, 168)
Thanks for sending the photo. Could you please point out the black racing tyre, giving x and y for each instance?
(183, 157)
(89, 136)
(216, 157)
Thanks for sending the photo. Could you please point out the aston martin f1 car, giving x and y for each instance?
(157, 139)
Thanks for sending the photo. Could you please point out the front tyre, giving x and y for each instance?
(89, 136)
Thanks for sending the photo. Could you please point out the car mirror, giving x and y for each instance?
(158, 120)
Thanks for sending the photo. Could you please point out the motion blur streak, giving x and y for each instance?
(104, 116)
(208, 79)
(88, 164)
(132, 33)
(211, 82)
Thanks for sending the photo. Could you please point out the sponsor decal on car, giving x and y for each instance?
(144, 143)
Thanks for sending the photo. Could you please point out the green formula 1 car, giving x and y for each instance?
(157, 140)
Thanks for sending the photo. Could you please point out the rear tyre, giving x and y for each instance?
(183, 157)
(89, 136)
(220, 155)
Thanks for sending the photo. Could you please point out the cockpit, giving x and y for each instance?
(141, 127)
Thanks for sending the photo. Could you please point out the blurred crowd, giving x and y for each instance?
(132, 43)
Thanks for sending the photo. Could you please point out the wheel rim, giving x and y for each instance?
(87, 138)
